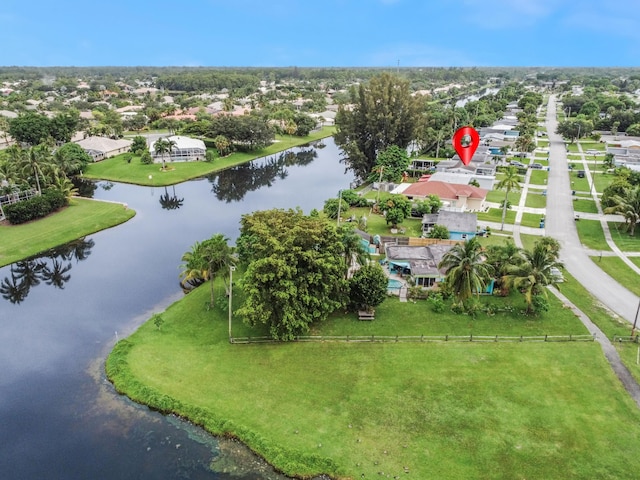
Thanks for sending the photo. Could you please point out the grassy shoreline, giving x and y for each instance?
(116, 169)
(442, 410)
(82, 217)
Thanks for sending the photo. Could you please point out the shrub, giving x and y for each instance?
(436, 302)
(146, 158)
(35, 207)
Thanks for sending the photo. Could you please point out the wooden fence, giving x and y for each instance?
(421, 338)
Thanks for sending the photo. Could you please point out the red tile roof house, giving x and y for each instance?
(455, 196)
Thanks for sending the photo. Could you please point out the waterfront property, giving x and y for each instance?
(184, 149)
(100, 148)
(454, 196)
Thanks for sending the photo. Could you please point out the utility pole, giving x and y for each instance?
(339, 206)
(635, 321)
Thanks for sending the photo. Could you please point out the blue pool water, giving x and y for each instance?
(394, 284)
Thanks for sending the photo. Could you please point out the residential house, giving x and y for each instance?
(454, 196)
(461, 225)
(183, 150)
(100, 148)
(484, 181)
(420, 264)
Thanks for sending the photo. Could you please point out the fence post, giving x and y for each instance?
(545, 338)
(570, 337)
(396, 338)
(446, 338)
(347, 338)
(422, 338)
(372, 338)
(521, 338)
(471, 337)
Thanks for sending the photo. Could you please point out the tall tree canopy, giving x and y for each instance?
(384, 113)
(295, 270)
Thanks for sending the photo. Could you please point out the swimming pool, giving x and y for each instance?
(394, 284)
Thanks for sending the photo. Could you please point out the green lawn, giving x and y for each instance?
(593, 308)
(495, 215)
(622, 239)
(531, 220)
(601, 147)
(572, 147)
(543, 143)
(497, 196)
(602, 181)
(528, 241)
(574, 157)
(81, 218)
(584, 205)
(116, 169)
(494, 239)
(539, 177)
(616, 268)
(591, 234)
(377, 224)
(578, 184)
(445, 411)
(535, 200)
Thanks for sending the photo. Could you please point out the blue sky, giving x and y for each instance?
(343, 33)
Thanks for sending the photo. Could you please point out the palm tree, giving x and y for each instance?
(533, 272)
(467, 271)
(162, 147)
(501, 257)
(205, 261)
(35, 161)
(353, 250)
(511, 181)
(627, 205)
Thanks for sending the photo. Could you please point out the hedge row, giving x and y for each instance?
(35, 207)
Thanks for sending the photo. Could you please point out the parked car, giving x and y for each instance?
(537, 166)
(517, 164)
(580, 173)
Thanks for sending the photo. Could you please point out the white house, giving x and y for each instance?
(100, 148)
(184, 149)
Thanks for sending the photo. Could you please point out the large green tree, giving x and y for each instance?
(391, 164)
(467, 271)
(383, 113)
(295, 271)
(368, 287)
(30, 128)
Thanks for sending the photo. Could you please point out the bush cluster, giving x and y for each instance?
(35, 207)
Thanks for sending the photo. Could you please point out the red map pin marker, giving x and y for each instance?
(466, 141)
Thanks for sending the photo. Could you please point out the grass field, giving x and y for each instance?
(116, 169)
(531, 220)
(81, 218)
(535, 200)
(591, 234)
(539, 177)
(497, 196)
(445, 411)
(495, 215)
(622, 239)
(585, 205)
(578, 184)
(617, 269)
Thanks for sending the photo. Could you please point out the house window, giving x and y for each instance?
(425, 282)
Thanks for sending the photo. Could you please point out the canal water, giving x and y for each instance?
(61, 313)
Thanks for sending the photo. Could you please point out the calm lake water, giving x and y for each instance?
(61, 313)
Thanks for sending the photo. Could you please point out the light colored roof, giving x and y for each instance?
(103, 144)
(182, 143)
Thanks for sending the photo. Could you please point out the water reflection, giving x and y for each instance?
(52, 268)
(170, 201)
(233, 184)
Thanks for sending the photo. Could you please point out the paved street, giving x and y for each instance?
(560, 225)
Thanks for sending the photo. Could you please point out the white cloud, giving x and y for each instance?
(606, 20)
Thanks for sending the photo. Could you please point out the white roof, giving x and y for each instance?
(182, 142)
(103, 144)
